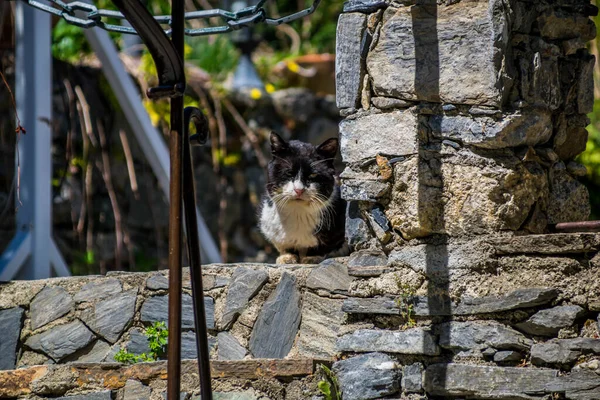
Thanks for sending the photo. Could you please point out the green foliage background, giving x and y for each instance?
(217, 54)
(591, 157)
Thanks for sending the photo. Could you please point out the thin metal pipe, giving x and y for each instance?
(193, 248)
(582, 226)
(175, 231)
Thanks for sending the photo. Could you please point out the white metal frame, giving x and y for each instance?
(32, 254)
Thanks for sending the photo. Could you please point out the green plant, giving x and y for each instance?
(329, 384)
(405, 303)
(157, 335)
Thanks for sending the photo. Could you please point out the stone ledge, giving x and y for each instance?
(58, 379)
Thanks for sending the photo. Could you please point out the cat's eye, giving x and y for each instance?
(312, 176)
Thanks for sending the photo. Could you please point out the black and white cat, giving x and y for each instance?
(302, 212)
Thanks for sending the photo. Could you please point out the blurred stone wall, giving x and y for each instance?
(296, 113)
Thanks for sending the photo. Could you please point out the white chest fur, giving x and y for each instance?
(289, 227)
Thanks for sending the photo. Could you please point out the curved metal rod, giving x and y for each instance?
(169, 65)
(193, 114)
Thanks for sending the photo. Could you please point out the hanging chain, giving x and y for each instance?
(86, 15)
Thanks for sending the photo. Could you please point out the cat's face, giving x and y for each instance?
(300, 173)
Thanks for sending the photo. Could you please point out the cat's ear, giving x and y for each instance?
(278, 145)
(328, 148)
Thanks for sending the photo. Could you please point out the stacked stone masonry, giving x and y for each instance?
(462, 118)
(519, 320)
(462, 121)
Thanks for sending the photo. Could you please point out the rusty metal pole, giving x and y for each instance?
(192, 114)
(175, 208)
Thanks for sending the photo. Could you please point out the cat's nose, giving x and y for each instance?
(299, 192)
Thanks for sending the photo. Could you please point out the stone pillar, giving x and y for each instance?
(462, 118)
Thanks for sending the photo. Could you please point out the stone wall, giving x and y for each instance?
(462, 120)
(463, 117)
(521, 310)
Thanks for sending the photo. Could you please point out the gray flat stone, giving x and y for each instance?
(62, 340)
(11, 322)
(364, 190)
(349, 72)
(367, 272)
(428, 306)
(229, 348)
(321, 322)
(412, 378)
(520, 298)
(411, 341)
(182, 396)
(94, 353)
(156, 309)
(474, 337)
(507, 357)
(368, 376)
(245, 284)
(413, 61)
(104, 395)
(135, 390)
(367, 258)
(549, 322)
(485, 382)
(357, 231)
(563, 351)
(48, 305)
(157, 282)
(558, 243)
(230, 396)
(331, 277)
(278, 321)
(371, 305)
(138, 342)
(188, 345)
(110, 317)
(527, 128)
(98, 289)
(397, 134)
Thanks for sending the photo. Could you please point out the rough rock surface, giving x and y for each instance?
(410, 341)
(135, 390)
(563, 351)
(278, 321)
(98, 289)
(484, 382)
(50, 304)
(348, 73)
(472, 337)
(244, 286)
(62, 340)
(104, 395)
(397, 134)
(320, 326)
(412, 378)
(416, 56)
(156, 309)
(229, 347)
(11, 322)
(110, 317)
(368, 376)
(331, 277)
(511, 130)
(483, 193)
(549, 322)
(157, 282)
